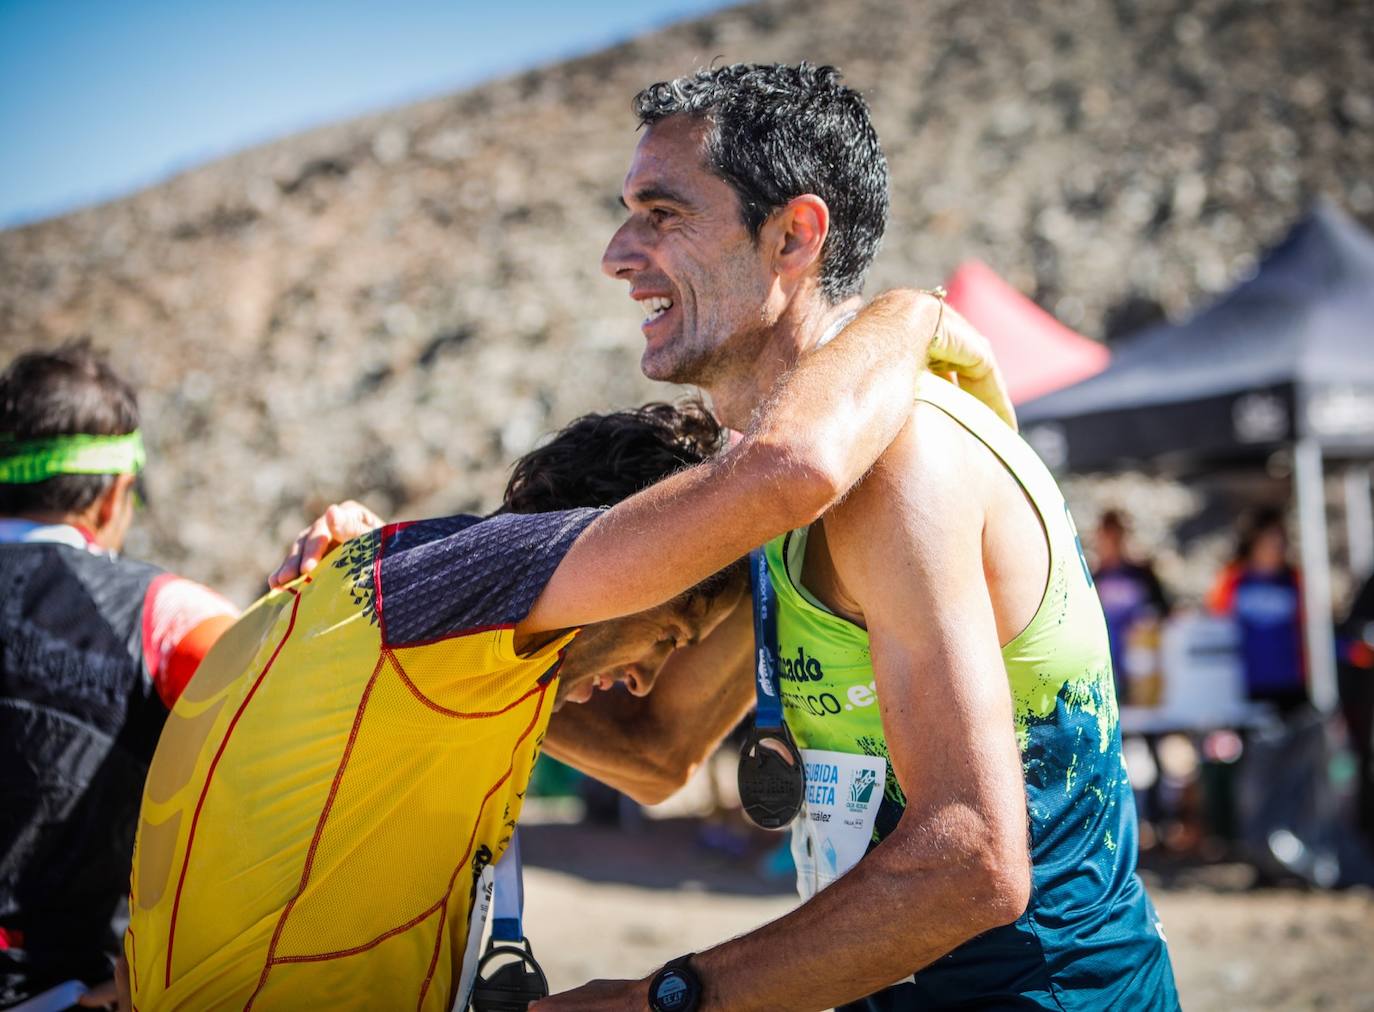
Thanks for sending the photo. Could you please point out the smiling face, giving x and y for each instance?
(632, 650)
(703, 281)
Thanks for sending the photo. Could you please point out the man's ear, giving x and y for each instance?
(797, 233)
(113, 500)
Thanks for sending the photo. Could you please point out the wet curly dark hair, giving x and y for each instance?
(600, 459)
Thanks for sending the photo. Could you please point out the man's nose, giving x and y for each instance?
(637, 683)
(624, 254)
(640, 680)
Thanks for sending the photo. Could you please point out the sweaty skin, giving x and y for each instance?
(938, 530)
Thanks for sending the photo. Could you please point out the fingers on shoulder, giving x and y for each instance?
(349, 519)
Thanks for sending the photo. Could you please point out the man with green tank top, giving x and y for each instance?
(968, 835)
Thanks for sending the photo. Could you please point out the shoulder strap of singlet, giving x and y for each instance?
(1014, 453)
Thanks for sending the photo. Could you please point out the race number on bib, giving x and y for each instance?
(843, 792)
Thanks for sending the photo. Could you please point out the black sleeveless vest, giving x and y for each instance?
(79, 720)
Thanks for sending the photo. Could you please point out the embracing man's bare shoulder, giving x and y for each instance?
(936, 502)
(933, 480)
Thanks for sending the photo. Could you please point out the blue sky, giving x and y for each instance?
(99, 98)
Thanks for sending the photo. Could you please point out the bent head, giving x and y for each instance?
(753, 186)
(631, 651)
(598, 460)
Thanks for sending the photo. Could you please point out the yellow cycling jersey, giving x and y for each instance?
(349, 758)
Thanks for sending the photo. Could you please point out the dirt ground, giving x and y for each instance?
(613, 903)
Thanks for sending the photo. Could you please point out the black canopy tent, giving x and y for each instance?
(1286, 359)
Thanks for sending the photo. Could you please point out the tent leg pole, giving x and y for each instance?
(1316, 575)
(1359, 521)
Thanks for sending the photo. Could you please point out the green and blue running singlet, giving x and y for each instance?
(1090, 938)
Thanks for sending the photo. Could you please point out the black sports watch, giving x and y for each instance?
(675, 988)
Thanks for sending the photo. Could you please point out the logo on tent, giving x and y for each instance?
(1260, 418)
(1343, 411)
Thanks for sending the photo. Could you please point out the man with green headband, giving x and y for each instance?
(94, 649)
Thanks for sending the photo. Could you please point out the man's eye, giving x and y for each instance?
(659, 215)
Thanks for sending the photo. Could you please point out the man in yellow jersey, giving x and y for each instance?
(354, 751)
(936, 634)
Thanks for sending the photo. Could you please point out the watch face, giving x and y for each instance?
(672, 991)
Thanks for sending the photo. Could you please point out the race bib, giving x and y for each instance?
(843, 793)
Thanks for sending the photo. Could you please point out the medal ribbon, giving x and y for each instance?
(767, 691)
(508, 895)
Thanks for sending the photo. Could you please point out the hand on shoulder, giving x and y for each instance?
(339, 523)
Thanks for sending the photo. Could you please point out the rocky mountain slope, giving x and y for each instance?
(393, 307)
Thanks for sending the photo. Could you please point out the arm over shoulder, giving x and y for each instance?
(445, 577)
(819, 432)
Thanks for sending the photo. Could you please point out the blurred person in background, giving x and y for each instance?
(1261, 591)
(96, 649)
(1134, 603)
(1135, 606)
(1356, 674)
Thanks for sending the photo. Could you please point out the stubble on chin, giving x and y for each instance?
(708, 363)
(669, 365)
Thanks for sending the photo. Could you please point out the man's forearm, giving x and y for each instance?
(918, 895)
(930, 887)
(618, 740)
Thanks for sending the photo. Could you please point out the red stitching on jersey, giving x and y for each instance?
(133, 952)
(319, 832)
(438, 944)
(320, 957)
(467, 854)
(457, 635)
(388, 532)
(377, 581)
(445, 711)
(210, 775)
(442, 903)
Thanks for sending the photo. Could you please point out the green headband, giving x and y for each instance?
(28, 461)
